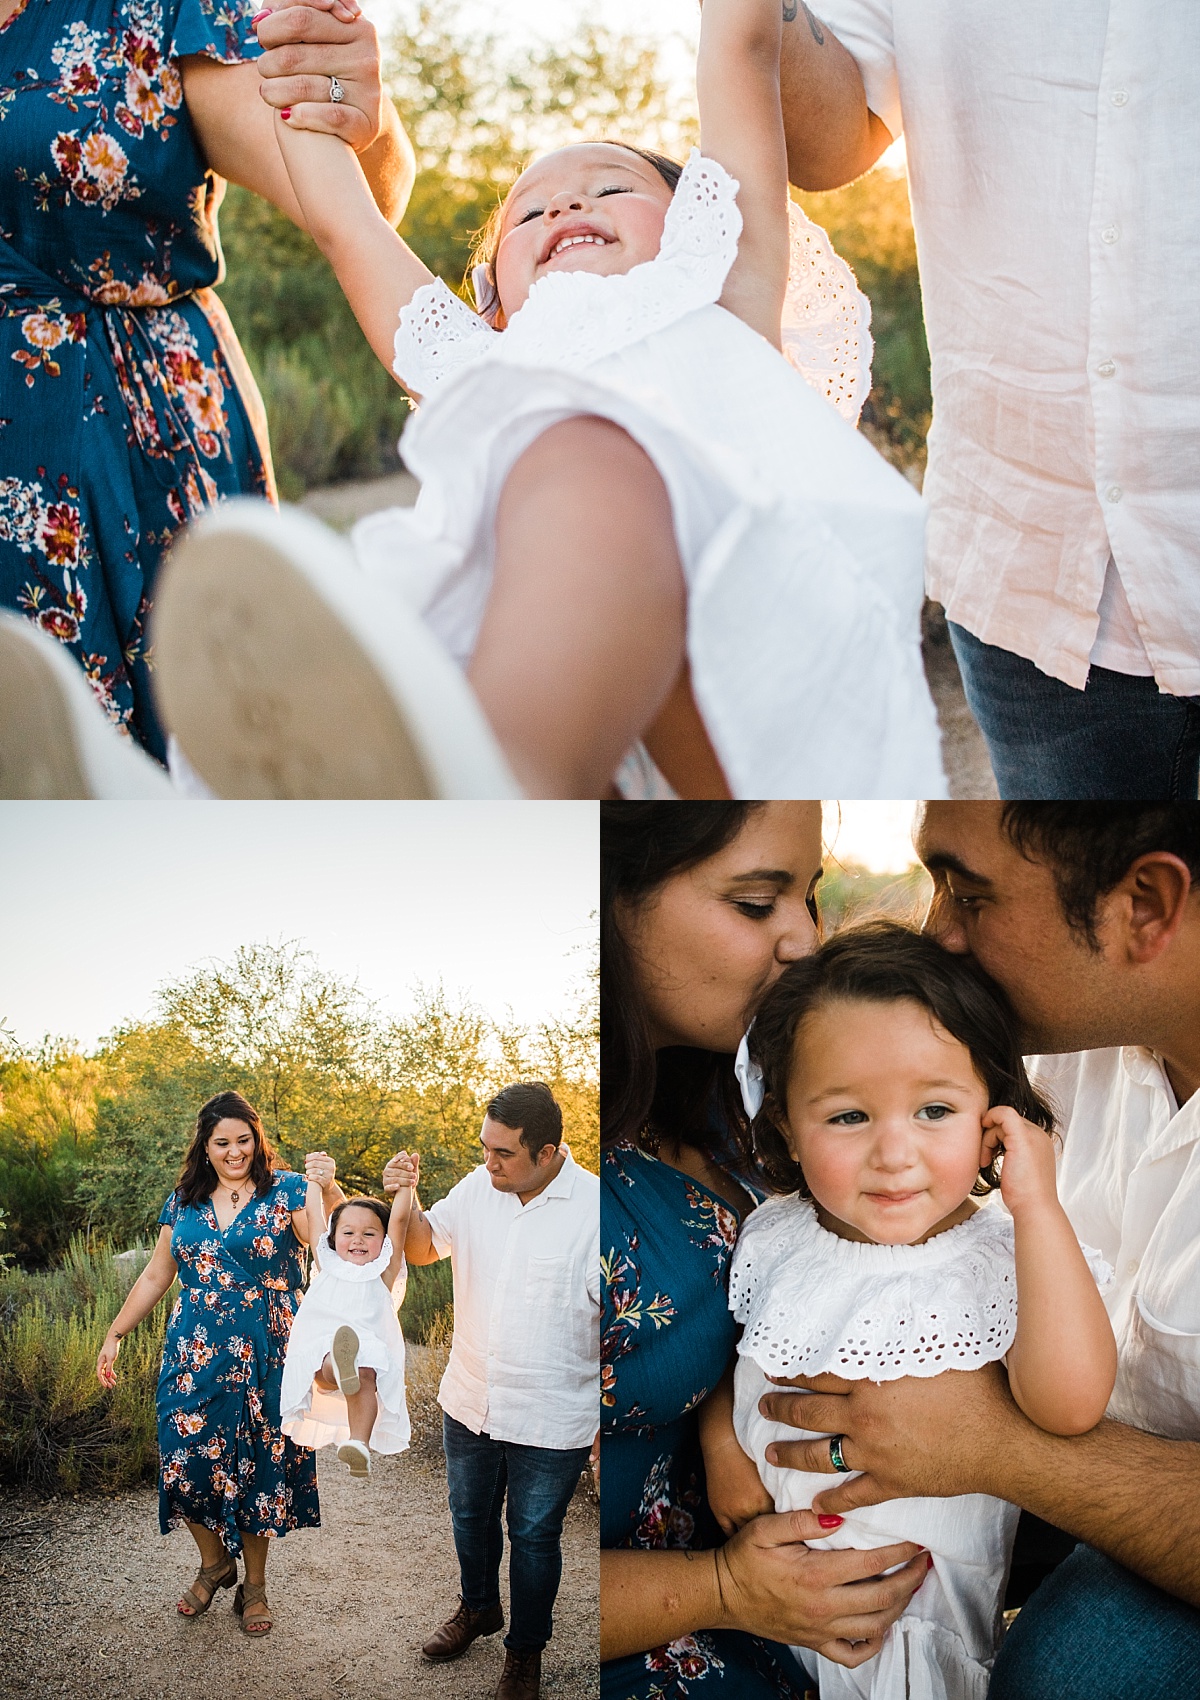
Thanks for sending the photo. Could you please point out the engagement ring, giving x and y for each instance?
(336, 92)
(835, 1453)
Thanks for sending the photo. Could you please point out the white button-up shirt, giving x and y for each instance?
(525, 1363)
(1054, 168)
(1129, 1180)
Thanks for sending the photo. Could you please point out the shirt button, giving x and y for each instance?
(1106, 368)
(1118, 97)
(1109, 233)
(1114, 493)
(1132, 1267)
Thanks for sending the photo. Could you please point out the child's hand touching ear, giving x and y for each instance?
(1027, 1178)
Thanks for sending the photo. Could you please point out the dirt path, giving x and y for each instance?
(88, 1590)
(963, 750)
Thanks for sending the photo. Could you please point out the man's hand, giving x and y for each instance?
(404, 1169)
(912, 1438)
(305, 46)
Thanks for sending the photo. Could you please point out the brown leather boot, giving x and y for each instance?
(521, 1678)
(453, 1638)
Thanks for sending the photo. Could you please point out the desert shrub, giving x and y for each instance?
(60, 1431)
(428, 1304)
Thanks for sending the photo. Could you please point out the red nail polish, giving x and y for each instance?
(827, 1522)
(259, 16)
(286, 112)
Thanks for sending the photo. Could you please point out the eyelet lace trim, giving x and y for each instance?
(355, 1273)
(813, 1304)
(826, 321)
(574, 319)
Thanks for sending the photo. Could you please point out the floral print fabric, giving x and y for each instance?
(223, 1459)
(666, 1337)
(126, 406)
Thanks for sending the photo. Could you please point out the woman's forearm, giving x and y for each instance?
(145, 1293)
(389, 166)
(648, 1598)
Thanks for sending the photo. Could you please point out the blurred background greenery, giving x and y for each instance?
(476, 107)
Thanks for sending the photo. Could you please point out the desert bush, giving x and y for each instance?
(424, 1368)
(428, 1307)
(60, 1431)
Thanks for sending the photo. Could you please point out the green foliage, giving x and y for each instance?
(47, 1111)
(60, 1431)
(428, 1310)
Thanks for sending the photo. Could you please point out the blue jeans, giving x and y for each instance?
(1119, 737)
(539, 1481)
(1094, 1631)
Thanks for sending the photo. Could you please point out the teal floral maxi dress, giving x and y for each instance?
(666, 1335)
(224, 1462)
(126, 405)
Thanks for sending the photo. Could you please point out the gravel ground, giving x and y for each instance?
(963, 750)
(88, 1590)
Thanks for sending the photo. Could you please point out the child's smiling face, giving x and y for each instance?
(595, 207)
(883, 1115)
(358, 1237)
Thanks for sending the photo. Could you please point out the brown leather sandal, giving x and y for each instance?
(253, 1594)
(210, 1576)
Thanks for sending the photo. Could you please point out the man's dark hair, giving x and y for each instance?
(883, 962)
(1089, 847)
(528, 1107)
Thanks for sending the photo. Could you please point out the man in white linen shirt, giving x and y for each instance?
(1088, 914)
(1052, 163)
(521, 1394)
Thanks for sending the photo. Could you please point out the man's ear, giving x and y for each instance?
(1150, 905)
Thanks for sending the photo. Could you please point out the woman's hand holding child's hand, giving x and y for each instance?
(305, 46)
(1027, 1174)
(320, 1168)
(404, 1169)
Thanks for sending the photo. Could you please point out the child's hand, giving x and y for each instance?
(106, 1362)
(735, 1490)
(320, 1168)
(404, 1169)
(305, 48)
(1027, 1178)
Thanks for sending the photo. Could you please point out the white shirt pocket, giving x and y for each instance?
(1164, 1367)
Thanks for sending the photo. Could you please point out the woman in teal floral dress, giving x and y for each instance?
(126, 406)
(234, 1232)
(701, 907)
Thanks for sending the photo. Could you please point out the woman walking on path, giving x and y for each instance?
(232, 1231)
(126, 405)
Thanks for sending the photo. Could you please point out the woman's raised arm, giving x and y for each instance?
(741, 127)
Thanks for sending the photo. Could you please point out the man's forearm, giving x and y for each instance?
(389, 166)
(831, 135)
(1134, 1497)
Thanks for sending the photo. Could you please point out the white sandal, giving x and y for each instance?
(343, 1355)
(55, 739)
(284, 671)
(357, 1456)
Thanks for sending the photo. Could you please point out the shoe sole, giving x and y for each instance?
(342, 1355)
(285, 672)
(54, 739)
(358, 1465)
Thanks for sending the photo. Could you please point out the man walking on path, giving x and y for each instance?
(521, 1391)
(1052, 168)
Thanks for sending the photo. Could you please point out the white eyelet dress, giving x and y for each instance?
(814, 1304)
(801, 547)
(351, 1294)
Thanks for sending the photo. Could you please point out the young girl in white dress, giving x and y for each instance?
(885, 1078)
(654, 547)
(343, 1378)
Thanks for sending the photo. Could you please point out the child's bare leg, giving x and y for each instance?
(362, 1407)
(325, 1378)
(583, 637)
(680, 745)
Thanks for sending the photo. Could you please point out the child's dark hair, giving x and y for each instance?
(380, 1209)
(884, 962)
(482, 267)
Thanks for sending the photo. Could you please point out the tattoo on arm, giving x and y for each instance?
(813, 25)
(789, 10)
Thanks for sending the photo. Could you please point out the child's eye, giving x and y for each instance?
(614, 189)
(935, 1112)
(848, 1118)
(530, 212)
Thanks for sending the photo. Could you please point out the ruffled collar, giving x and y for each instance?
(340, 1270)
